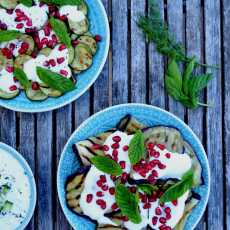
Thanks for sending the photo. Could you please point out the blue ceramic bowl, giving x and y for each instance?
(28, 172)
(108, 118)
(98, 25)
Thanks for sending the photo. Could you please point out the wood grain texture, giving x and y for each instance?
(138, 54)
(214, 115)
(226, 84)
(156, 72)
(45, 162)
(176, 26)
(120, 51)
(194, 41)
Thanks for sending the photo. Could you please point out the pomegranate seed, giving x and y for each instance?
(105, 187)
(168, 228)
(52, 62)
(105, 148)
(155, 173)
(75, 42)
(18, 11)
(150, 146)
(29, 23)
(142, 173)
(9, 11)
(15, 79)
(125, 218)
(99, 183)
(168, 210)
(20, 18)
(114, 206)
(30, 30)
(47, 30)
(57, 14)
(35, 86)
(103, 178)
(99, 194)
(174, 202)
(162, 220)
(54, 38)
(89, 198)
(63, 18)
(19, 26)
(168, 216)
(161, 166)
(112, 190)
(155, 154)
(46, 63)
(168, 155)
(124, 177)
(21, 51)
(50, 44)
(96, 146)
(44, 41)
(160, 194)
(25, 45)
(162, 227)
(10, 69)
(62, 47)
(12, 46)
(160, 146)
(34, 54)
(122, 164)
(147, 206)
(116, 139)
(132, 189)
(153, 163)
(115, 146)
(60, 60)
(13, 88)
(158, 211)
(64, 72)
(99, 202)
(97, 38)
(136, 168)
(113, 178)
(126, 148)
(3, 26)
(5, 51)
(151, 178)
(154, 220)
(143, 198)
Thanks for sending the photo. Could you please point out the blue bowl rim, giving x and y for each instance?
(21, 160)
(51, 108)
(94, 116)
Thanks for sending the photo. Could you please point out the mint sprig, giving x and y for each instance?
(60, 29)
(106, 165)
(63, 2)
(178, 189)
(8, 35)
(128, 203)
(136, 148)
(22, 78)
(55, 80)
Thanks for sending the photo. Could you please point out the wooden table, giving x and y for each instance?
(134, 72)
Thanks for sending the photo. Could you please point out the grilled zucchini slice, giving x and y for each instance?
(6, 95)
(35, 95)
(8, 4)
(90, 42)
(4, 61)
(79, 28)
(83, 58)
(50, 92)
(83, 7)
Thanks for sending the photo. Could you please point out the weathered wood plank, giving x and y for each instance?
(194, 38)
(27, 147)
(226, 71)
(63, 132)
(120, 51)
(45, 175)
(102, 85)
(156, 72)
(214, 115)
(176, 26)
(138, 54)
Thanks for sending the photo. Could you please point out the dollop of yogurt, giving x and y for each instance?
(7, 81)
(72, 13)
(13, 176)
(57, 62)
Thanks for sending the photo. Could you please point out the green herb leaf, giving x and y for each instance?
(63, 2)
(107, 165)
(8, 35)
(179, 188)
(26, 2)
(55, 81)
(186, 77)
(147, 188)
(128, 203)
(22, 78)
(61, 31)
(136, 147)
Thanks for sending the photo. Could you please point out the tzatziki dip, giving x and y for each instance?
(14, 192)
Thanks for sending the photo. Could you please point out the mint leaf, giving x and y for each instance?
(186, 76)
(128, 203)
(8, 35)
(136, 147)
(179, 188)
(60, 29)
(55, 80)
(107, 165)
(22, 78)
(63, 2)
(147, 188)
(26, 2)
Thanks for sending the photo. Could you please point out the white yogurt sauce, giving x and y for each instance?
(176, 166)
(6, 81)
(37, 14)
(13, 175)
(72, 13)
(30, 66)
(91, 209)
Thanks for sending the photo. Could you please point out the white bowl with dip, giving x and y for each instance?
(17, 190)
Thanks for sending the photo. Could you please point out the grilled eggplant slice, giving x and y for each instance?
(6, 95)
(50, 92)
(90, 147)
(8, 4)
(79, 28)
(74, 187)
(89, 41)
(83, 7)
(109, 227)
(129, 125)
